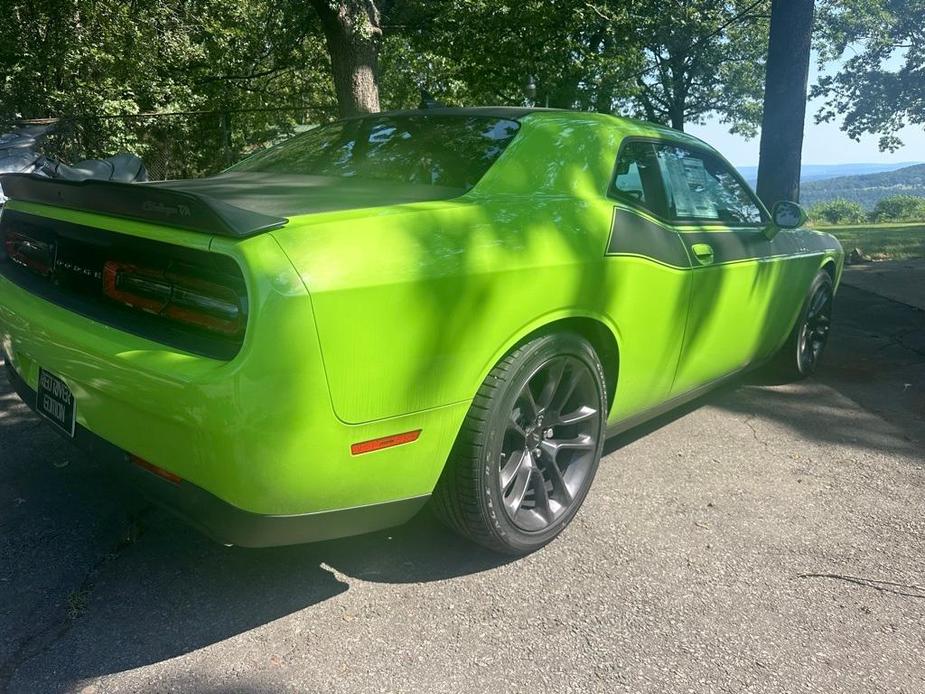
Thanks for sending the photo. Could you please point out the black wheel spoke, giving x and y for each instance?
(818, 302)
(554, 377)
(526, 397)
(521, 484)
(541, 497)
(559, 486)
(582, 414)
(515, 425)
(554, 446)
(515, 461)
(568, 384)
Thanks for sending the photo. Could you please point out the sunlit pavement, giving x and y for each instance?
(768, 538)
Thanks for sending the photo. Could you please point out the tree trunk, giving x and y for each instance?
(678, 93)
(352, 31)
(784, 101)
(677, 117)
(564, 93)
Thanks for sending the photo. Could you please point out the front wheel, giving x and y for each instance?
(529, 447)
(800, 355)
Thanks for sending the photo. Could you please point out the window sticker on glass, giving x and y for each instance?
(699, 187)
(695, 173)
(698, 184)
(691, 198)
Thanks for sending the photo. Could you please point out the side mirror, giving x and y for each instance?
(788, 215)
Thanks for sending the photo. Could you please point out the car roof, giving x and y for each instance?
(510, 112)
(633, 126)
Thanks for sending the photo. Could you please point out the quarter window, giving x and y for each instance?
(700, 187)
(637, 179)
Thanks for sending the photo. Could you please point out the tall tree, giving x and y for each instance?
(701, 58)
(99, 64)
(485, 51)
(880, 88)
(671, 62)
(786, 79)
(353, 31)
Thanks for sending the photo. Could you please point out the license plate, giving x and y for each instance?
(55, 402)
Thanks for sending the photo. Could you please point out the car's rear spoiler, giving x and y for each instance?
(163, 206)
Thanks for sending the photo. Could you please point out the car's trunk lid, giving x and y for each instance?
(235, 204)
(162, 205)
(290, 195)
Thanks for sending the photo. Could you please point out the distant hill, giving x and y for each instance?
(864, 183)
(867, 188)
(818, 172)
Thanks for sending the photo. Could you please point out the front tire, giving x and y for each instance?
(800, 355)
(529, 448)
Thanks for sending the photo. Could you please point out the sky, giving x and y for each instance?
(824, 143)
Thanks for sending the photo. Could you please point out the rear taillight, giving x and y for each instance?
(31, 253)
(176, 295)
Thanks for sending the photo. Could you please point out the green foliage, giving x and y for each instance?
(700, 58)
(671, 63)
(484, 51)
(881, 86)
(83, 59)
(900, 208)
(837, 211)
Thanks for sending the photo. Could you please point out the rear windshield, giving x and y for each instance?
(451, 151)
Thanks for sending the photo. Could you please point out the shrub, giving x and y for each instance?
(837, 211)
(899, 208)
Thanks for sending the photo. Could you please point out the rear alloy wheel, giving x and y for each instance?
(550, 442)
(800, 356)
(529, 448)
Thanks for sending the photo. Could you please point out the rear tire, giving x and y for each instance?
(799, 357)
(529, 448)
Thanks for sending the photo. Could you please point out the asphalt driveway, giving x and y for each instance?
(768, 538)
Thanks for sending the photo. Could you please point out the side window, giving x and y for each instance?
(702, 188)
(638, 179)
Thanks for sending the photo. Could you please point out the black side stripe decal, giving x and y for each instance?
(633, 234)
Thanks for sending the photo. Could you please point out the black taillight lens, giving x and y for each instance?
(33, 254)
(177, 294)
(187, 298)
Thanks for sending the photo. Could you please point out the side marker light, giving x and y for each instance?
(384, 442)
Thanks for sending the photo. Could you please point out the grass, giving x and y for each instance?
(897, 241)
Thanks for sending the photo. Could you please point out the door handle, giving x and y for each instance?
(703, 252)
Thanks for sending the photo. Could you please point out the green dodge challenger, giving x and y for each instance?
(454, 305)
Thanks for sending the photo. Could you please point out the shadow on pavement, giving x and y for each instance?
(875, 357)
(78, 590)
(70, 581)
(173, 591)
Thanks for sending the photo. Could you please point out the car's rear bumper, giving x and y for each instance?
(225, 522)
(257, 432)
